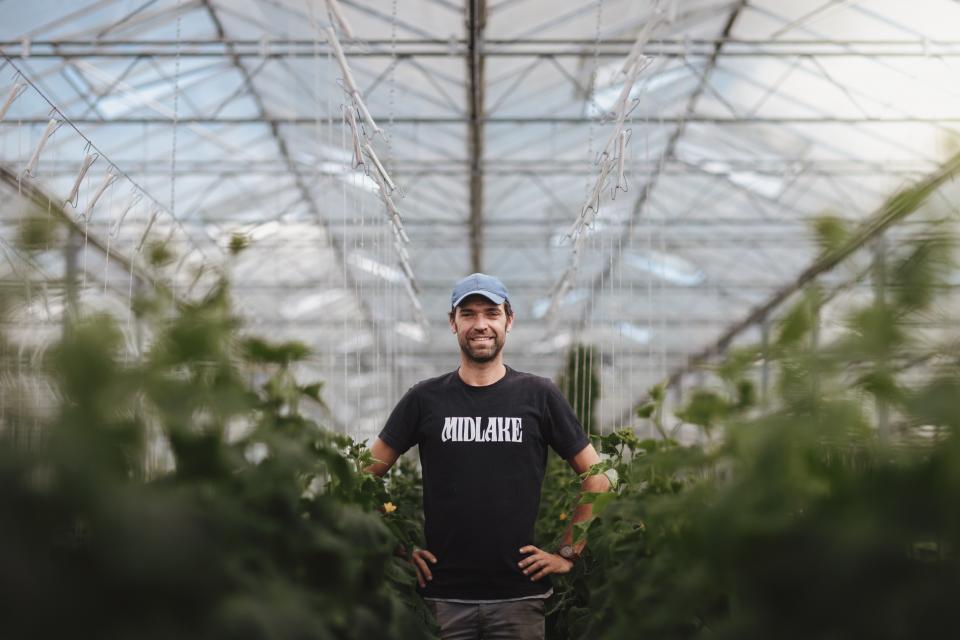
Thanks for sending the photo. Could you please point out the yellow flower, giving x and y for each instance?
(563, 516)
(389, 507)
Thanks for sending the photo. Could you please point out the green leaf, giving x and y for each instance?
(600, 501)
(313, 391)
(159, 255)
(238, 242)
(282, 353)
(646, 410)
(831, 232)
(580, 530)
(704, 409)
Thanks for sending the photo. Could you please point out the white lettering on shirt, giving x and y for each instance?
(498, 429)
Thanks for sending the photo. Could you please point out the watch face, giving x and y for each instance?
(567, 552)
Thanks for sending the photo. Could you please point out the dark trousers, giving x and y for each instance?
(513, 620)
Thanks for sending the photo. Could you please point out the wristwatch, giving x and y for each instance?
(568, 552)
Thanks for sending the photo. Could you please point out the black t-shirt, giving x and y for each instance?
(483, 451)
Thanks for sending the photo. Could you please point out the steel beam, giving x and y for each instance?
(533, 166)
(523, 48)
(476, 23)
(638, 120)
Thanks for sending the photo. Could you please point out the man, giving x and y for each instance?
(483, 432)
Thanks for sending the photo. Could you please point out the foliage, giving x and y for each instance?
(580, 384)
(260, 524)
(804, 519)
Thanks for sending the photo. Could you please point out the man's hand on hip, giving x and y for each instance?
(541, 563)
(420, 558)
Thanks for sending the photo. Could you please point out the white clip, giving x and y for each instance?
(392, 212)
(621, 184)
(591, 208)
(376, 162)
(88, 160)
(52, 126)
(115, 228)
(352, 89)
(146, 232)
(362, 106)
(264, 46)
(351, 120)
(15, 91)
(25, 47)
(108, 179)
(396, 222)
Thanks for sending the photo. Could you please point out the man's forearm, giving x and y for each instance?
(591, 484)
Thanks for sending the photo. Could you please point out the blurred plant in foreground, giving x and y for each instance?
(801, 518)
(261, 525)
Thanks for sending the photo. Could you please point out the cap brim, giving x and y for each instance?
(492, 297)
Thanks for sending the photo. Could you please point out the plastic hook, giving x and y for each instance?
(88, 160)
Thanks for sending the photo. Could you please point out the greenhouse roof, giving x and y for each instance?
(225, 118)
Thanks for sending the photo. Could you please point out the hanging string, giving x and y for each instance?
(346, 281)
(661, 233)
(176, 123)
(106, 263)
(318, 124)
(383, 237)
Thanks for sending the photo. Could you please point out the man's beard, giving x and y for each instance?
(481, 359)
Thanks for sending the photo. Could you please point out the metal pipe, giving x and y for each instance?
(638, 120)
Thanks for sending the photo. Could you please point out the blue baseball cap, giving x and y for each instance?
(479, 284)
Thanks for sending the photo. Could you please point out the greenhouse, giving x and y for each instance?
(236, 241)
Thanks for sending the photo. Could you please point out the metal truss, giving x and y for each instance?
(494, 48)
(497, 114)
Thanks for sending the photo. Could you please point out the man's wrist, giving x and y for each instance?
(568, 552)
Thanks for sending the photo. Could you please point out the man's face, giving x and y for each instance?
(481, 328)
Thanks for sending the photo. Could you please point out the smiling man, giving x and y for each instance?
(483, 433)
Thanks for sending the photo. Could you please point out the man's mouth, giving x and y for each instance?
(482, 339)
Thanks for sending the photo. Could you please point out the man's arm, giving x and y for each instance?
(384, 456)
(581, 463)
(540, 563)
